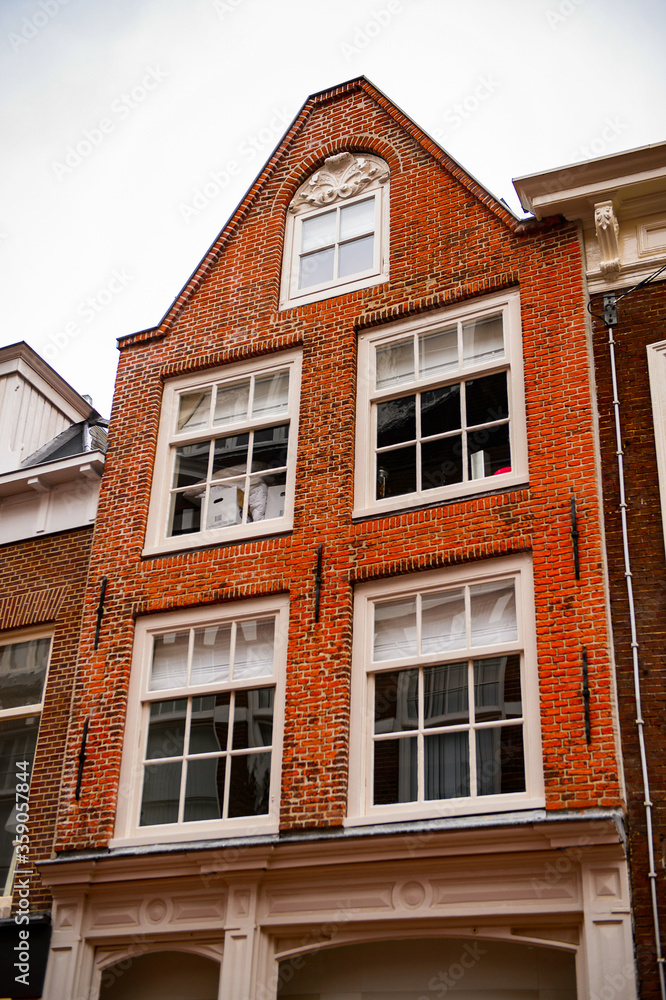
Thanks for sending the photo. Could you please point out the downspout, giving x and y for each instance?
(610, 319)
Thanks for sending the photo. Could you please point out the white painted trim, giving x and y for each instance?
(656, 356)
(128, 831)
(361, 811)
(157, 540)
(508, 304)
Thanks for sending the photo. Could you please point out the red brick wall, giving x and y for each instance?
(449, 242)
(42, 582)
(640, 322)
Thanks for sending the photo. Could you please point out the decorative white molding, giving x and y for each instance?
(342, 176)
(608, 235)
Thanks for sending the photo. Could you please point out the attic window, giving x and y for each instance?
(337, 230)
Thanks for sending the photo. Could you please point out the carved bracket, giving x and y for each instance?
(608, 235)
(342, 176)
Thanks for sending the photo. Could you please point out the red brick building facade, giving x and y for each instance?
(51, 459)
(353, 684)
(620, 202)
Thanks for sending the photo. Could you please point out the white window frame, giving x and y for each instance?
(23, 712)
(508, 305)
(291, 296)
(157, 538)
(128, 829)
(361, 809)
(656, 355)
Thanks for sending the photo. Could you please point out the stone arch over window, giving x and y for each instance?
(337, 229)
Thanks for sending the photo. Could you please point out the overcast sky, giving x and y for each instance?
(133, 128)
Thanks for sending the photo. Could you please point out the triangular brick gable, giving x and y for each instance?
(354, 116)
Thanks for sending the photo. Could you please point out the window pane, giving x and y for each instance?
(185, 514)
(445, 695)
(225, 505)
(486, 399)
(191, 465)
(22, 672)
(230, 456)
(500, 760)
(161, 793)
(253, 718)
(250, 784)
(356, 256)
(204, 789)
(357, 219)
(438, 352)
(493, 608)
(193, 410)
(396, 421)
(253, 656)
(440, 410)
(441, 462)
(395, 771)
(443, 621)
(209, 726)
(269, 449)
(166, 729)
(267, 496)
(395, 629)
(211, 654)
(316, 268)
(483, 340)
(271, 394)
(318, 231)
(396, 701)
(169, 665)
(231, 402)
(394, 363)
(396, 472)
(497, 688)
(446, 759)
(18, 738)
(489, 451)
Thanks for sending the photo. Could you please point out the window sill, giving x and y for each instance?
(293, 302)
(217, 539)
(467, 492)
(189, 834)
(447, 809)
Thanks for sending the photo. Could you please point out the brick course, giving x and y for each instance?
(450, 242)
(640, 322)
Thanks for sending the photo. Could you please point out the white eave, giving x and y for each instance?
(572, 191)
(40, 478)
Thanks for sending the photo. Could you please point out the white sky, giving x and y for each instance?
(116, 114)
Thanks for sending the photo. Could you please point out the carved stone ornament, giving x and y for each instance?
(342, 176)
(608, 235)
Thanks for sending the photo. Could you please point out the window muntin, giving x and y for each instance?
(446, 673)
(337, 244)
(23, 671)
(337, 230)
(441, 408)
(226, 456)
(207, 705)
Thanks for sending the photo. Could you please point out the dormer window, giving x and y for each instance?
(337, 230)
